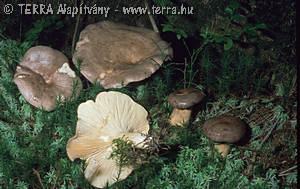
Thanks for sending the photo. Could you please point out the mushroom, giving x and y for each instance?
(115, 55)
(182, 101)
(113, 115)
(44, 75)
(224, 129)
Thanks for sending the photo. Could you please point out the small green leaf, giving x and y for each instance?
(228, 10)
(234, 4)
(251, 31)
(246, 27)
(203, 35)
(239, 18)
(228, 44)
(55, 17)
(167, 27)
(261, 26)
(219, 39)
(184, 35)
(178, 36)
(59, 25)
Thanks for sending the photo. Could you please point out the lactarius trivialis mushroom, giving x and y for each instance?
(115, 55)
(44, 75)
(224, 129)
(182, 102)
(113, 115)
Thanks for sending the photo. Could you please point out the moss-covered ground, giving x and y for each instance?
(241, 54)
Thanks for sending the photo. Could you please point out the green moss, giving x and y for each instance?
(33, 142)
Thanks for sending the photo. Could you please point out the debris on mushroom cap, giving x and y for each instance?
(224, 129)
(116, 54)
(44, 75)
(113, 115)
(185, 98)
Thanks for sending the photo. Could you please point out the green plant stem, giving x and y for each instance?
(154, 26)
(184, 73)
(188, 69)
(75, 31)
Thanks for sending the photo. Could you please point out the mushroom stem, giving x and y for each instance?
(223, 149)
(180, 116)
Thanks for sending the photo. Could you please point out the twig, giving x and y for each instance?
(75, 31)
(38, 176)
(57, 174)
(154, 26)
(284, 172)
(184, 73)
(242, 106)
(249, 148)
(254, 138)
(176, 63)
(263, 132)
(71, 184)
(261, 119)
(268, 134)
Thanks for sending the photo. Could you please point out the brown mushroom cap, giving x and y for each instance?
(44, 75)
(224, 129)
(185, 98)
(115, 55)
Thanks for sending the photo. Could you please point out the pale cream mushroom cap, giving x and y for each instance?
(113, 115)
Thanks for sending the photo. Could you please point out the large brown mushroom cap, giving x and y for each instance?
(185, 98)
(224, 129)
(44, 75)
(113, 115)
(116, 54)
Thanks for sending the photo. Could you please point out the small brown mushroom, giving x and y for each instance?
(224, 129)
(44, 75)
(182, 101)
(115, 55)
